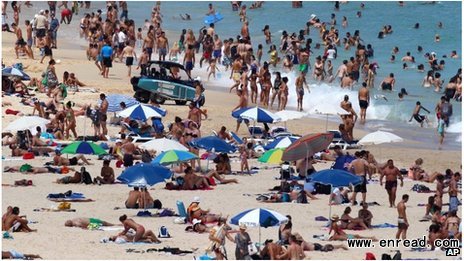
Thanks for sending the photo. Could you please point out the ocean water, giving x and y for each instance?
(391, 114)
(280, 16)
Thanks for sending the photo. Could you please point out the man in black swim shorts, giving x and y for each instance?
(391, 183)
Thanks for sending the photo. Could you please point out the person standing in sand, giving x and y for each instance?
(103, 115)
(243, 103)
(107, 59)
(403, 223)
(391, 174)
(129, 53)
(163, 46)
(359, 167)
(364, 99)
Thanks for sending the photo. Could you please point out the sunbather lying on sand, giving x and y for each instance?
(339, 234)
(34, 170)
(61, 161)
(85, 222)
(307, 246)
(197, 226)
(195, 181)
(12, 254)
(77, 178)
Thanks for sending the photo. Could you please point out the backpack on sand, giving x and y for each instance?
(86, 178)
(163, 232)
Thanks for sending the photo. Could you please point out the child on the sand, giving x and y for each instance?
(212, 68)
(244, 160)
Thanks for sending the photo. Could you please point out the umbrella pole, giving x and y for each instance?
(84, 128)
(326, 122)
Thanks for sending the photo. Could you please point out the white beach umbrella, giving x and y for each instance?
(163, 144)
(27, 123)
(329, 110)
(379, 137)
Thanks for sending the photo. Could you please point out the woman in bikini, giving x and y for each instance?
(318, 69)
(192, 132)
(347, 222)
(275, 89)
(339, 234)
(283, 90)
(70, 121)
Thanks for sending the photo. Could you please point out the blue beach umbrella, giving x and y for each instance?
(174, 156)
(259, 217)
(281, 143)
(142, 112)
(115, 99)
(144, 174)
(335, 178)
(211, 143)
(256, 114)
(11, 71)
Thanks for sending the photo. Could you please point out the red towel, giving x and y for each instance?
(12, 112)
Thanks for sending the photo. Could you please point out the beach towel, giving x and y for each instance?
(69, 194)
(172, 250)
(53, 210)
(320, 218)
(384, 225)
(113, 228)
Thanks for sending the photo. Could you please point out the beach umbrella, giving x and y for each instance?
(330, 110)
(163, 144)
(11, 71)
(342, 162)
(174, 156)
(307, 146)
(115, 99)
(282, 142)
(379, 137)
(213, 143)
(236, 138)
(335, 178)
(27, 123)
(144, 175)
(256, 114)
(273, 156)
(142, 112)
(259, 217)
(83, 147)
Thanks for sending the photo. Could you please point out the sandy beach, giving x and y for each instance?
(55, 241)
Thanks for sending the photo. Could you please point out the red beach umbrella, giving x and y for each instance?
(307, 146)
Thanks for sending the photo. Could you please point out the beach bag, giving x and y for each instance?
(163, 232)
(86, 178)
(64, 205)
(28, 155)
(384, 257)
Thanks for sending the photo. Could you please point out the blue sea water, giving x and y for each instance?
(280, 16)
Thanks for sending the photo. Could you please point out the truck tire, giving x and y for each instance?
(156, 98)
(181, 102)
(142, 96)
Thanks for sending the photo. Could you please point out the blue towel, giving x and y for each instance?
(320, 218)
(62, 195)
(384, 225)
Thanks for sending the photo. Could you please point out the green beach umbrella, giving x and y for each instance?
(273, 156)
(83, 147)
(174, 156)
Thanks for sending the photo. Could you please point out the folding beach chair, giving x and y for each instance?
(135, 134)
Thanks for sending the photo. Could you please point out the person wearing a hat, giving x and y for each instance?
(339, 234)
(197, 226)
(195, 212)
(242, 240)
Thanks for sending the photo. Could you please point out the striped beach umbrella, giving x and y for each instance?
(307, 146)
(283, 142)
(273, 156)
(256, 114)
(83, 147)
(142, 112)
(11, 71)
(115, 99)
(174, 156)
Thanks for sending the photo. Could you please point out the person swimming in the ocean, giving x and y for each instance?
(388, 83)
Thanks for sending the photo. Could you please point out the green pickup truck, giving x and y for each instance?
(163, 80)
